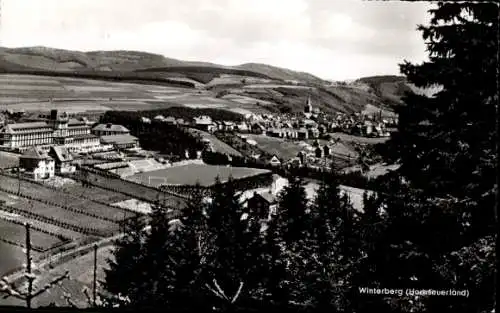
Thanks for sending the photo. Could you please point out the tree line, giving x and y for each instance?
(221, 254)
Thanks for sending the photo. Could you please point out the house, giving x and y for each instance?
(204, 123)
(302, 134)
(109, 130)
(318, 152)
(251, 142)
(170, 120)
(159, 118)
(121, 141)
(242, 127)
(63, 160)
(257, 128)
(295, 162)
(37, 164)
(274, 132)
(322, 129)
(308, 123)
(263, 204)
(227, 126)
(273, 161)
(313, 133)
(326, 151)
(145, 120)
(302, 155)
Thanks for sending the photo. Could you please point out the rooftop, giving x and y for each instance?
(35, 153)
(62, 153)
(111, 127)
(119, 139)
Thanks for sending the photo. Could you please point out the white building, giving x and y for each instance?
(58, 129)
(37, 164)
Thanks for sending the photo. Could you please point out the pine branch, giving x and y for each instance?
(238, 292)
(219, 289)
(215, 292)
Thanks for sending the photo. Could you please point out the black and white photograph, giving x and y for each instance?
(249, 156)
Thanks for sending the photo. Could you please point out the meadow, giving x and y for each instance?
(12, 256)
(8, 160)
(218, 145)
(284, 149)
(95, 193)
(16, 233)
(133, 190)
(57, 214)
(190, 174)
(42, 93)
(66, 199)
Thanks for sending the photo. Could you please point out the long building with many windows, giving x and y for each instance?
(58, 129)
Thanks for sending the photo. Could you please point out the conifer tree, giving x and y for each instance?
(125, 278)
(231, 266)
(440, 205)
(335, 242)
(293, 210)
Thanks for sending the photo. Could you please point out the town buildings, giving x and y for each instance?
(57, 129)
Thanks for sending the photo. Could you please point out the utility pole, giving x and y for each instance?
(28, 267)
(19, 180)
(94, 287)
(12, 291)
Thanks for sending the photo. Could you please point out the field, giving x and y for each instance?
(281, 148)
(33, 93)
(219, 146)
(192, 173)
(64, 199)
(12, 256)
(16, 233)
(67, 233)
(358, 139)
(132, 189)
(59, 214)
(95, 193)
(8, 159)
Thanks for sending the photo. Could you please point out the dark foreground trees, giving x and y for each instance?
(440, 224)
(218, 255)
(431, 225)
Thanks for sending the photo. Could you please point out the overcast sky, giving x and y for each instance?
(333, 39)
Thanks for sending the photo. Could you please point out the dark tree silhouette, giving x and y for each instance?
(440, 205)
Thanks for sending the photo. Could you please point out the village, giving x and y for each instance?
(64, 141)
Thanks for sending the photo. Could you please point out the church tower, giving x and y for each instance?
(308, 107)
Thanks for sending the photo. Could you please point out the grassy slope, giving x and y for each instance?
(141, 67)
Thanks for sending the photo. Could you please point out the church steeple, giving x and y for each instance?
(308, 107)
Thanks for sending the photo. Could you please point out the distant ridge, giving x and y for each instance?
(261, 86)
(59, 60)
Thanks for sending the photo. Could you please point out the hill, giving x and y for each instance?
(34, 76)
(392, 88)
(58, 60)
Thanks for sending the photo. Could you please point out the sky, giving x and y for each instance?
(333, 39)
